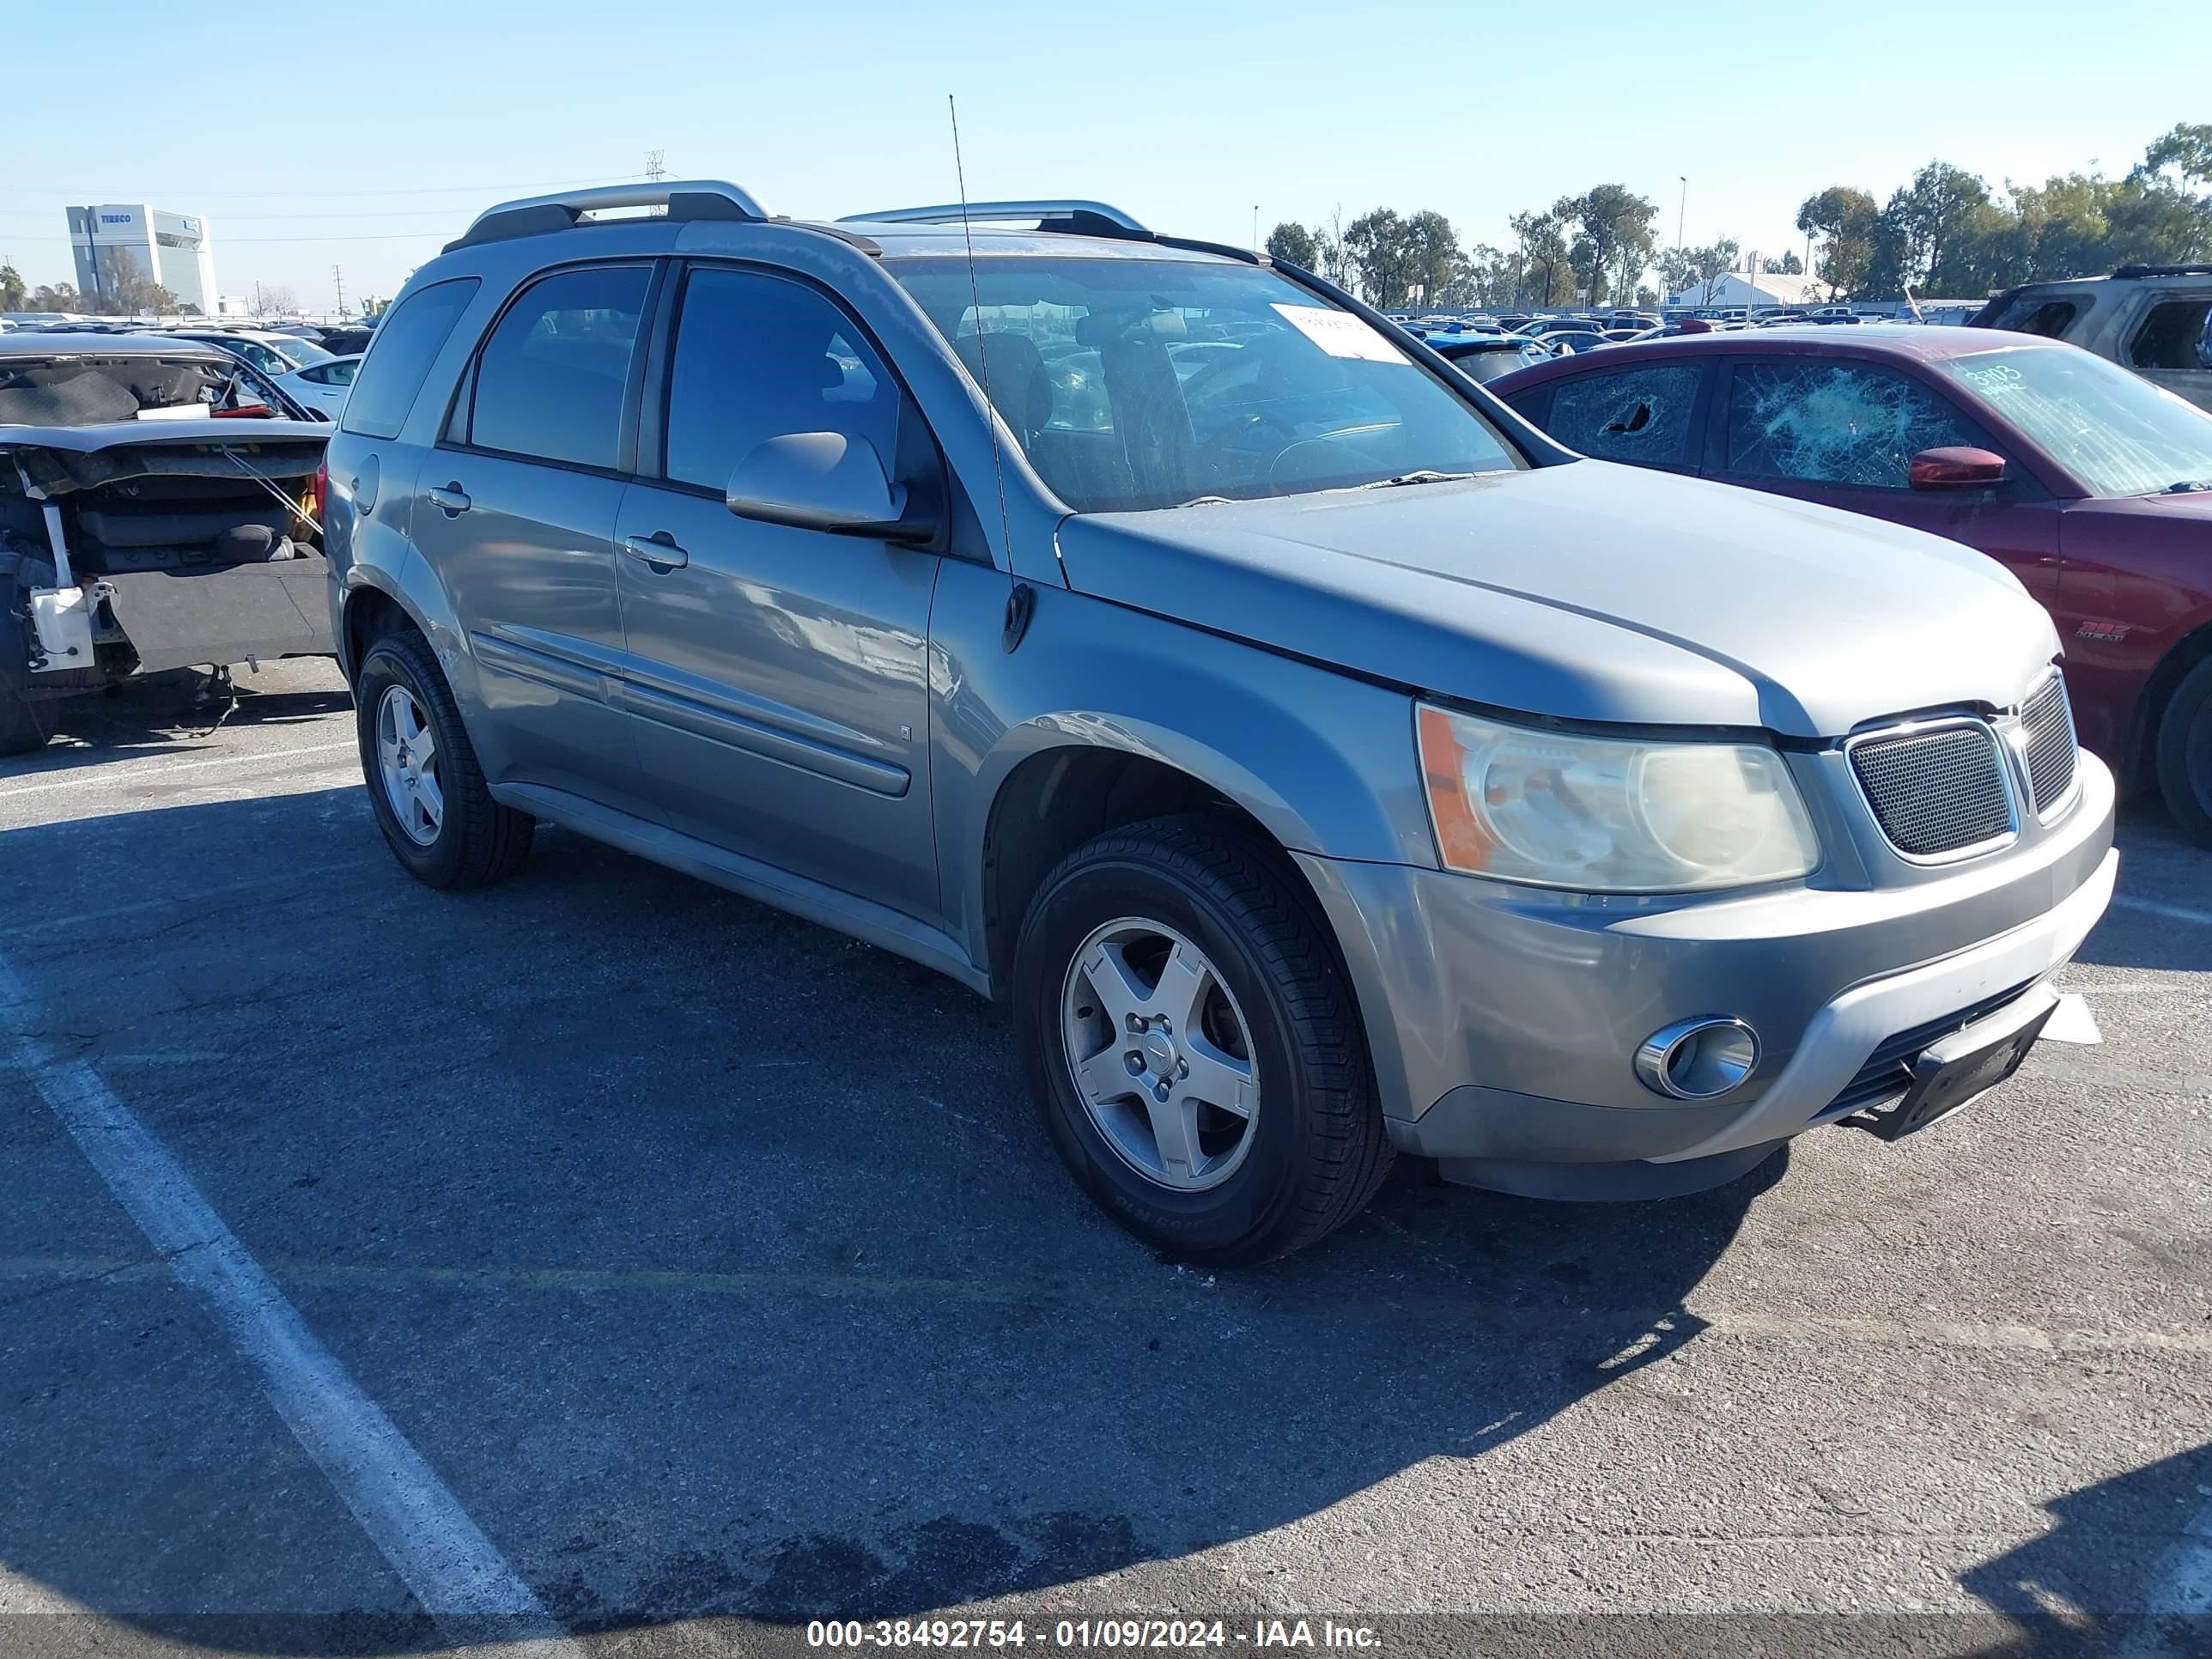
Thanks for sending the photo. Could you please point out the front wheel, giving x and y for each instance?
(21, 733)
(424, 785)
(2185, 755)
(1193, 1046)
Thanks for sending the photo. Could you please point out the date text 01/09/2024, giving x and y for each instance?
(1086, 1635)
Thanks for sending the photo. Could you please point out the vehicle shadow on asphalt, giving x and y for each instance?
(2045, 1584)
(163, 713)
(720, 1266)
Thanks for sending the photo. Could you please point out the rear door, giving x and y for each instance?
(1643, 414)
(776, 682)
(1844, 431)
(516, 508)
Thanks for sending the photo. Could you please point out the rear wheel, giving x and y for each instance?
(424, 785)
(1193, 1046)
(2185, 755)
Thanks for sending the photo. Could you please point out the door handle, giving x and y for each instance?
(659, 550)
(451, 499)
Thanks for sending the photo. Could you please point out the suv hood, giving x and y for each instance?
(1590, 592)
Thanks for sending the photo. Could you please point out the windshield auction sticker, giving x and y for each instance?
(1341, 334)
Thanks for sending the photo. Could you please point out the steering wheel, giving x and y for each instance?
(1213, 453)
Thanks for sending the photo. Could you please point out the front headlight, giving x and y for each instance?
(1605, 815)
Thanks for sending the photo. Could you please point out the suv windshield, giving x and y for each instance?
(2117, 433)
(1136, 383)
(91, 391)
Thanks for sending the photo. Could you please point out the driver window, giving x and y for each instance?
(1838, 423)
(758, 357)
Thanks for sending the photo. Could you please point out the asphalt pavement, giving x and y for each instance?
(665, 1274)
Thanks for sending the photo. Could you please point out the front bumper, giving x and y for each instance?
(1502, 1020)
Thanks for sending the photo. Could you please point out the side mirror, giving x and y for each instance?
(825, 481)
(1959, 468)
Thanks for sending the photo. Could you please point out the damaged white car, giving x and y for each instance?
(160, 506)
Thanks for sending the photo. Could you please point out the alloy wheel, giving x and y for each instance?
(1160, 1053)
(407, 757)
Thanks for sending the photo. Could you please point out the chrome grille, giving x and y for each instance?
(1935, 791)
(2049, 722)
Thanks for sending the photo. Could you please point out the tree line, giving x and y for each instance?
(1946, 232)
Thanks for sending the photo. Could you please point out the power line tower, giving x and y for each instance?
(339, 277)
(655, 167)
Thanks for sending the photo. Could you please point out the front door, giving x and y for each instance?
(516, 510)
(776, 678)
(1844, 434)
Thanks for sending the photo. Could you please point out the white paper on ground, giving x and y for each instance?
(2072, 1022)
(1341, 334)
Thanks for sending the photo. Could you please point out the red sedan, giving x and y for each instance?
(2092, 486)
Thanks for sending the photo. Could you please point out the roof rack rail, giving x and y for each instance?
(1095, 218)
(2133, 271)
(531, 215)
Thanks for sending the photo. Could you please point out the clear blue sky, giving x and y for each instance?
(363, 137)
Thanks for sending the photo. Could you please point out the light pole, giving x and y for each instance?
(1682, 209)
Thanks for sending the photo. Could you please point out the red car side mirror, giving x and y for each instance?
(1959, 468)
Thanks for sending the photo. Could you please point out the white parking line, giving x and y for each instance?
(113, 773)
(443, 1555)
(2171, 912)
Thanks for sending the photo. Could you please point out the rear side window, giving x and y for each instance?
(2177, 334)
(551, 378)
(1640, 415)
(1838, 423)
(400, 356)
(757, 357)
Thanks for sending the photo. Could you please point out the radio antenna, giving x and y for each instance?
(1014, 625)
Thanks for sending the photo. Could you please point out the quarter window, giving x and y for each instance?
(552, 377)
(1838, 423)
(1636, 415)
(758, 357)
(399, 356)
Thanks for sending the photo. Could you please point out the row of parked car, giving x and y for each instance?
(312, 364)
(1324, 756)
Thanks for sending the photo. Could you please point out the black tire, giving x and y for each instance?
(479, 842)
(21, 731)
(2185, 755)
(1318, 1150)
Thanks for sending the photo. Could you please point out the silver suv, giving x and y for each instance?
(1319, 761)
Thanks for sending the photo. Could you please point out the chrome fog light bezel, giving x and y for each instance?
(1698, 1058)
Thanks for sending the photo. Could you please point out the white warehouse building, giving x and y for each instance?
(175, 250)
(1741, 289)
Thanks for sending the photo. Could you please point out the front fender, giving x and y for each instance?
(1324, 761)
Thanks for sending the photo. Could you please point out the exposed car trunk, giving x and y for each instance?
(198, 546)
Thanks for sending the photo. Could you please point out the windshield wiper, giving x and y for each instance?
(1205, 501)
(2186, 486)
(1425, 475)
